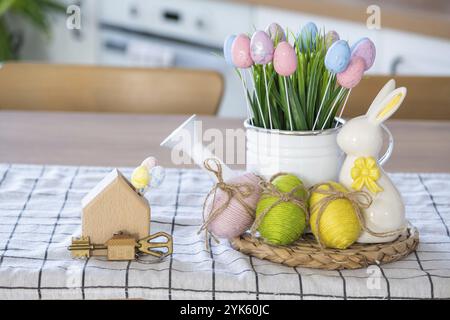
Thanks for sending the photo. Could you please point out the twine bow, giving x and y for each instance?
(239, 191)
(358, 199)
(270, 190)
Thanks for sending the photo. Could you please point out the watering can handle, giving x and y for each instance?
(390, 147)
(145, 246)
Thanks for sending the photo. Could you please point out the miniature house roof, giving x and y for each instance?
(111, 177)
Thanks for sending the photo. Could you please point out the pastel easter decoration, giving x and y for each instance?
(229, 208)
(351, 76)
(241, 59)
(281, 210)
(365, 49)
(331, 37)
(261, 48)
(361, 139)
(337, 60)
(285, 64)
(338, 56)
(240, 52)
(275, 32)
(335, 214)
(227, 49)
(308, 36)
(285, 59)
(140, 178)
(149, 162)
(157, 175)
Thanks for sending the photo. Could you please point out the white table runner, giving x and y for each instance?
(40, 212)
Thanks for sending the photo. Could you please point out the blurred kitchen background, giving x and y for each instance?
(414, 38)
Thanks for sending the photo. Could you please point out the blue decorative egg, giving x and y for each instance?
(338, 56)
(308, 36)
(157, 176)
(227, 49)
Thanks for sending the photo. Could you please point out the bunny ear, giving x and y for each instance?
(387, 88)
(387, 107)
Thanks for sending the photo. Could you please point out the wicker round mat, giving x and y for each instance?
(307, 253)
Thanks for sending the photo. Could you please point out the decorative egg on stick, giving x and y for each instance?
(307, 37)
(261, 50)
(276, 33)
(348, 79)
(330, 38)
(337, 59)
(148, 174)
(365, 49)
(285, 64)
(227, 53)
(242, 59)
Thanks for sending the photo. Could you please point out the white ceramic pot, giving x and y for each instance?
(314, 156)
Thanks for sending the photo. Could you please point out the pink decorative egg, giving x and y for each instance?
(285, 59)
(234, 220)
(351, 76)
(240, 52)
(365, 49)
(261, 48)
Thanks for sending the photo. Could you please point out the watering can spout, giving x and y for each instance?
(187, 138)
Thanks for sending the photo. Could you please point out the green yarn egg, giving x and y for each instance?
(285, 222)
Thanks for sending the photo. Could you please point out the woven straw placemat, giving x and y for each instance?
(307, 253)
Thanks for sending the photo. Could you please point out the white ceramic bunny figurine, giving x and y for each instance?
(361, 139)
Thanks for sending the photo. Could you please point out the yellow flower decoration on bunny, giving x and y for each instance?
(365, 173)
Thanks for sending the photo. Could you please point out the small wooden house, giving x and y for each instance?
(112, 206)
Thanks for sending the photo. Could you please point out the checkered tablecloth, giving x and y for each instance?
(40, 212)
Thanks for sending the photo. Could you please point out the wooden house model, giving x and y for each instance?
(113, 206)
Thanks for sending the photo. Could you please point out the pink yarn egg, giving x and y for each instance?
(351, 76)
(234, 220)
(285, 59)
(149, 163)
(261, 48)
(365, 49)
(240, 52)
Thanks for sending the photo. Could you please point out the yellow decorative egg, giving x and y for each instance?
(140, 177)
(339, 226)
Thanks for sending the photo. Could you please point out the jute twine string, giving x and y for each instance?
(239, 191)
(270, 190)
(358, 199)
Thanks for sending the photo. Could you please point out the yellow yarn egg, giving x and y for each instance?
(339, 226)
(140, 177)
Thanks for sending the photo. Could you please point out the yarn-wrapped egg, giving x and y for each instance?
(240, 52)
(350, 77)
(285, 222)
(285, 59)
(339, 226)
(234, 220)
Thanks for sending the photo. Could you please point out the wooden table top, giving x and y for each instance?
(92, 139)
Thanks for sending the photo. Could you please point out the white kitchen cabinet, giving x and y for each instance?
(397, 51)
(64, 45)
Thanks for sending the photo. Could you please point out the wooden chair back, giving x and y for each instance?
(26, 86)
